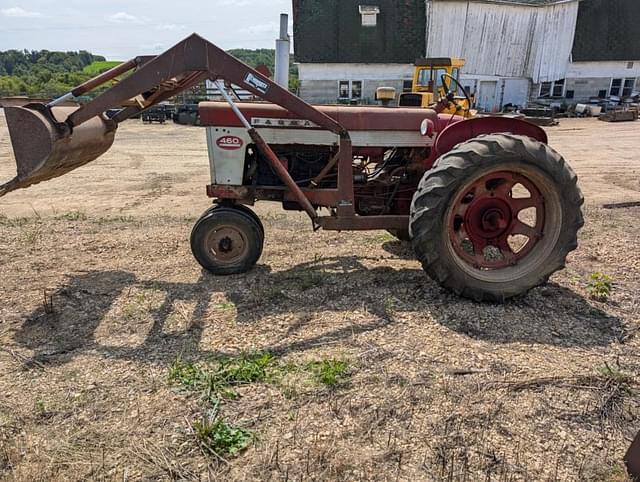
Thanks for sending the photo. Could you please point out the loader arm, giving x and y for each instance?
(49, 141)
(189, 62)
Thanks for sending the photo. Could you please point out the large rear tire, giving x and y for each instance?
(496, 216)
(227, 240)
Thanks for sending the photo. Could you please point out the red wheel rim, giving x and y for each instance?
(485, 223)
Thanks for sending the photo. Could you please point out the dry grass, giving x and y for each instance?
(440, 388)
(96, 310)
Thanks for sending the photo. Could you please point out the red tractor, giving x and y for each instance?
(490, 209)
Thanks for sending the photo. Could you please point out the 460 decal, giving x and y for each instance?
(229, 143)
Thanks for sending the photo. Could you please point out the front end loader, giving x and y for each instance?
(490, 209)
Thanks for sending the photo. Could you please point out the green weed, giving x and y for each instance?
(600, 286)
(221, 438)
(40, 406)
(217, 379)
(382, 238)
(227, 306)
(615, 376)
(330, 373)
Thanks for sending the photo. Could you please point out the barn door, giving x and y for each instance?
(516, 92)
(487, 98)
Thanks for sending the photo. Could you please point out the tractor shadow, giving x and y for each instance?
(399, 249)
(550, 315)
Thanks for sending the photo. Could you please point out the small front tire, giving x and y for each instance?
(227, 241)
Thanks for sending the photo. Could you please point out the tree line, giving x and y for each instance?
(43, 73)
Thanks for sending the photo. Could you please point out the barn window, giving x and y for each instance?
(407, 86)
(616, 85)
(343, 89)
(622, 87)
(350, 90)
(558, 88)
(369, 14)
(356, 89)
(552, 89)
(629, 86)
(545, 89)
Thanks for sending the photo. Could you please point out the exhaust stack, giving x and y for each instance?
(283, 49)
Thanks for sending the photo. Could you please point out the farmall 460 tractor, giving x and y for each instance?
(490, 209)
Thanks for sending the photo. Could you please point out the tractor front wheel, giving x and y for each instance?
(227, 240)
(496, 216)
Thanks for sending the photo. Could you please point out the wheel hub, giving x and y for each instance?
(227, 244)
(486, 214)
(488, 218)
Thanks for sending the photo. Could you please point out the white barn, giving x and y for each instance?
(517, 51)
(509, 46)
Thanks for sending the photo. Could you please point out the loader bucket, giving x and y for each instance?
(45, 147)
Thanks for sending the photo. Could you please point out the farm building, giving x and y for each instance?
(516, 50)
(509, 46)
(346, 49)
(606, 51)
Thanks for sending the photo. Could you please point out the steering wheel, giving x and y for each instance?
(444, 77)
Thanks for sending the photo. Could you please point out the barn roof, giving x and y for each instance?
(537, 3)
(607, 30)
(332, 31)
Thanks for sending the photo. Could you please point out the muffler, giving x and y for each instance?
(46, 147)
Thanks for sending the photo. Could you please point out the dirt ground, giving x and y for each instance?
(100, 296)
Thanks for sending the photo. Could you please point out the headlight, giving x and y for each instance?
(427, 128)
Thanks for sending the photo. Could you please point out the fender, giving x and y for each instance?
(465, 130)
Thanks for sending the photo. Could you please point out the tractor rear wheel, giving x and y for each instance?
(496, 216)
(227, 240)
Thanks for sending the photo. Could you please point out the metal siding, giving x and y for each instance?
(326, 91)
(585, 88)
(604, 69)
(515, 91)
(504, 40)
(319, 82)
(552, 42)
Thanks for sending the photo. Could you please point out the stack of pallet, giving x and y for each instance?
(620, 114)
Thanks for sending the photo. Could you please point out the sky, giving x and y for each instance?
(120, 29)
